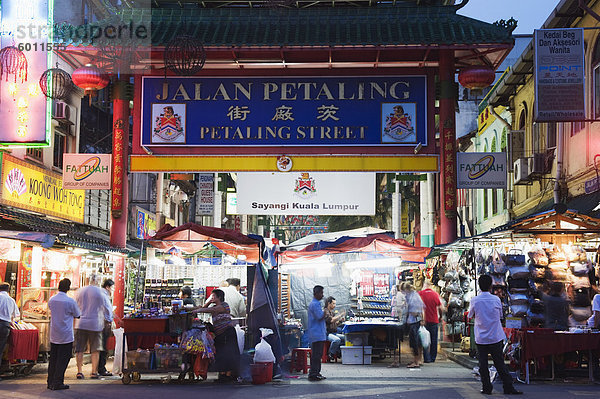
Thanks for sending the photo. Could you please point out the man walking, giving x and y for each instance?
(62, 311)
(317, 334)
(107, 288)
(234, 299)
(8, 312)
(95, 309)
(487, 311)
(433, 313)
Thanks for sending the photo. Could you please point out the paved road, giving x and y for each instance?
(444, 379)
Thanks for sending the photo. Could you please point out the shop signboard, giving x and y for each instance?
(30, 187)
(305, 193)
(284, 111)
(592, 185)
(481, 170)
(559, 75)
(231, 207)
(367, 283)
(382, 284)
(87, 171)
(145, 223)
(206, 194)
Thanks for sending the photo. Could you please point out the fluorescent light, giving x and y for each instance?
(374, 263)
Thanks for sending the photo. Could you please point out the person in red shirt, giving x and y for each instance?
(433, 313)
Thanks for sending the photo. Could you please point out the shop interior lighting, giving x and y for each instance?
(80, 251)
(307, 265)
(374, 263)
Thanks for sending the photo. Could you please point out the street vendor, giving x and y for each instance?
(227, 353)
(185, 293)
(332, 321)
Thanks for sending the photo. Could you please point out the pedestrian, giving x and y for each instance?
(332, 320)
(234, 298)
(95, 310)
(556, 307)
(63, 310)
(8, 312)
(489, 336)
(414, 320)
(594, 320)
(107, 288)
(433, 314)
(317, 334)
(399, 310)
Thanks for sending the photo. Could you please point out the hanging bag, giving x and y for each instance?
(425, 337)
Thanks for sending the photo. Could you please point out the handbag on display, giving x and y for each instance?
(498, 280)
(557, 272)
(538, 257)
(580, 282)
(537, 306)
(517, 283)
(514, 257)
(555, 255)
(519, 272)
(518, 299)
(581, 297)
(498, 265)
(580, 268)
(538, 273)
(519, 310)
(576, 254)
(581, 313)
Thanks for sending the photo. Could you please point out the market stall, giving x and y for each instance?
(527, 259)
(360, 273)
(201, 257)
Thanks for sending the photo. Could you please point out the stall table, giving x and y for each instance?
(536, 343)
(23, 345)
(393, 333)
(144, 333)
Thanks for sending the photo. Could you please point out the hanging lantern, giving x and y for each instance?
(476, 77)
(90, 78)
(13, 62)
(56, 83)
(184, 55)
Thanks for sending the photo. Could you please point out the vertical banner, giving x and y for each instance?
(448, 166)
(206, 197)
(117, 177)
(367, 285)
(559, 75)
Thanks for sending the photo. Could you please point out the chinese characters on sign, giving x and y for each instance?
(367, 285)
(117, 180)
(382, 284)
(448, 167)
(299, 111)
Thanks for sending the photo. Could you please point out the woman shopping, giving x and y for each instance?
(227, 353)
(414, 320)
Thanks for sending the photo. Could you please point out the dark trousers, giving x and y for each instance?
(430, 354)
(103, 355)
(60, 355)
(4, 333)
(496, 351)
(315, 358)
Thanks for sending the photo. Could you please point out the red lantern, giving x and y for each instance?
(476, 77)
(90, 78)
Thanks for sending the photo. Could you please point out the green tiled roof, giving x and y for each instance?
(402, 24)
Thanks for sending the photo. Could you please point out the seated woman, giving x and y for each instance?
(227, 353)
(331, 322)
(186, 294)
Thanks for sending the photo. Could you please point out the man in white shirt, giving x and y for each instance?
(594, 320)
(63, 310)
(95, 309)
(8, 312)
(234, 299)
(489, 336)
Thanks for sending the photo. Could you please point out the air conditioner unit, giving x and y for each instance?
(537, 165)
(521, 171)
(61, 111)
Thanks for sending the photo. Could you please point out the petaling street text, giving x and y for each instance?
(282, 132)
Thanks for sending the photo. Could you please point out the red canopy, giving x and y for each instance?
(191, 238)
(380, 243)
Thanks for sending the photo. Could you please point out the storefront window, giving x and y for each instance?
(60, 144)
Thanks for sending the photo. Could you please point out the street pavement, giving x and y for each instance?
(443, 379)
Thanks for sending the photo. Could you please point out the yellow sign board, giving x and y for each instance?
(486, 118)
(30, 187)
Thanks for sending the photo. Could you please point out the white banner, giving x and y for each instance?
(87, 171)
(306, 193)
(206, 194)
(481, 170)
(559, 75)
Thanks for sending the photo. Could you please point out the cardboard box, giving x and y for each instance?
(356, 354)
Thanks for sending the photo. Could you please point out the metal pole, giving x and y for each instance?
(137, 277)
(475, 266)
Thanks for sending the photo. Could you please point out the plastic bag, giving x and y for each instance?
(262, 350)
(119, 350)
(425, 337)
(240, 337)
